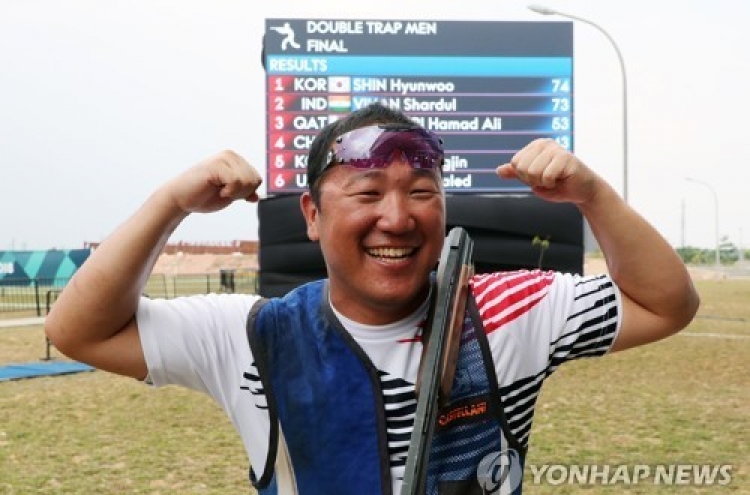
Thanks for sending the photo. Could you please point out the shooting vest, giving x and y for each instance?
(326, 394)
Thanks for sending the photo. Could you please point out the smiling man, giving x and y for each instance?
(380, 218)
(320, 384)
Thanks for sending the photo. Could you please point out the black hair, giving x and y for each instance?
(375, 113)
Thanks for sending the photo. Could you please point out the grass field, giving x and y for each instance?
(685, 400)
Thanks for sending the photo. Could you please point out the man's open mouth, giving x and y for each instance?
(391, 253)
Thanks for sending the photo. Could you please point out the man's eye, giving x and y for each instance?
(367, 193)
(426, 185)
(424, 193)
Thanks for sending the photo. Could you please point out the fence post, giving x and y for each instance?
(48, 305)
(35, 282)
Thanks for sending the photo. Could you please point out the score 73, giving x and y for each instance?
(560, 104)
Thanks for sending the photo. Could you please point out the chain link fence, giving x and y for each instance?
(34, 298)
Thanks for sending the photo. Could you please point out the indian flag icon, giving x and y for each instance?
(339, 103)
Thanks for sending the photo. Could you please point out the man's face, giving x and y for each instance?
(381, 231)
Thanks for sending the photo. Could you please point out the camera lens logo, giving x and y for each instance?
(500, 472)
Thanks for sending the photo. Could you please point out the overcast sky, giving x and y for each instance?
(100, 102)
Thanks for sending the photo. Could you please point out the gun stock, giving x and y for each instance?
(441, 344)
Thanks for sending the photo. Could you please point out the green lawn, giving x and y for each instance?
(685, 400)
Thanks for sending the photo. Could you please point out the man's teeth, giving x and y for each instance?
(390, 252)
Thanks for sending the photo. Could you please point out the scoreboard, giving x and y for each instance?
(487, 88)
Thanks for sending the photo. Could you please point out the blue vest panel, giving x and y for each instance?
(327, 396)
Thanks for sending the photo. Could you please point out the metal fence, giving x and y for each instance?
(35, 297)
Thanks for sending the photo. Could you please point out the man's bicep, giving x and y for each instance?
(121, 354)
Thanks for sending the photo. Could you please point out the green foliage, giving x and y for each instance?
(543, 246)
(728, 254)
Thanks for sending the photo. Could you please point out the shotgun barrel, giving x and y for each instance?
(438, 366)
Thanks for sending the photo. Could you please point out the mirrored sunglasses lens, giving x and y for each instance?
(365, 163)
(424, 159)
(374, 147)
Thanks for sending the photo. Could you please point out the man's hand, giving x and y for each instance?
(214, 183)
(554, 173)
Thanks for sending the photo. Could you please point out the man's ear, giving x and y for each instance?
(310, 212)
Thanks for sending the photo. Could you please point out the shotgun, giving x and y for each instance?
(440, 353)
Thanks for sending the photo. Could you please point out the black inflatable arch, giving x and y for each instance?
(509, 231)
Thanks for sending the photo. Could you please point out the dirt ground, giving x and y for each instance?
(188, 264)
(191, 264)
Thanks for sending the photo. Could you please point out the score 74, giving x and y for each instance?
(561, 85)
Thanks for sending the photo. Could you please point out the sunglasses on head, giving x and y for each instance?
(374, 147)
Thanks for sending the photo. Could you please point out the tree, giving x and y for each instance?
(543, 246)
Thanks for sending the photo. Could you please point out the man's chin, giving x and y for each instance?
(397, 301)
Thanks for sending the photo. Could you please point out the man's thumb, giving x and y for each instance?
(506, 171)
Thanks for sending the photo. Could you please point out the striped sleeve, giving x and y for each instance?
(592, 322)
(569, 315)
(537, 320)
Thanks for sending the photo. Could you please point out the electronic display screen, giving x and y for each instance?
(487, 88)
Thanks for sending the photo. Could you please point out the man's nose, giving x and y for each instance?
(395, 214)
